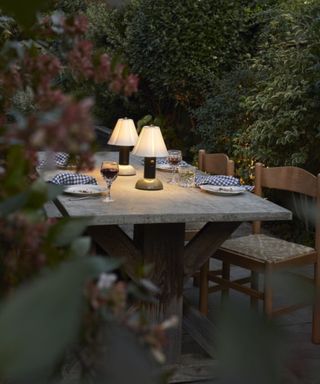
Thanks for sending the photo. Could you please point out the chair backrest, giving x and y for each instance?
(215, 163)
(292, 179)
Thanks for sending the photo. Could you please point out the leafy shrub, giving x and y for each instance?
(222, 118)
(72, 306)
(275, 118)
(285, 100)
(177, 46)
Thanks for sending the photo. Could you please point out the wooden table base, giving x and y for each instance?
(161, 246)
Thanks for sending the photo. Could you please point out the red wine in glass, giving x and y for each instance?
(174, 160)
(109, 171)
(109, 174)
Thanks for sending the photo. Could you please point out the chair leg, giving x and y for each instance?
(226, 276)
(254, 285)
(316, 306)
(267, 300)
(203, 288)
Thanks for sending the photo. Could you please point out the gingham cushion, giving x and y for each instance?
(60, 158)
(67, 178)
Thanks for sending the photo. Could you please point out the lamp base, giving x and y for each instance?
(149, 184)
(126, 170)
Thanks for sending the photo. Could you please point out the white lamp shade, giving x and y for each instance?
(124, 133)
(150, 143)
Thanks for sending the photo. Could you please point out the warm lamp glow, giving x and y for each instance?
(150, 143)
(124, 133)
(125, 136)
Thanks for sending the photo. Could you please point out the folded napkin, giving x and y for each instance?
(67, 178)
(60, 159)
(220, 181)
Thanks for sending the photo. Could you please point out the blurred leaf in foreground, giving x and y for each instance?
(42, 319)
(123, 349)
(251, 349)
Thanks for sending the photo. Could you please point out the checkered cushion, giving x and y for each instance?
(67, 178)
(60, 158)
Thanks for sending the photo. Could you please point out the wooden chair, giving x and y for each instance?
(216, 164)
(263, 254)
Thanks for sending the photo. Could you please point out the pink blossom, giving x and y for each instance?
(80, 59)
(131, 85)
(77, 25)
(103, 70)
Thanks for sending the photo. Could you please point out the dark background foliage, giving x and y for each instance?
(271, 115)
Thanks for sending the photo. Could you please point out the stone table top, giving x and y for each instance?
(173, 204)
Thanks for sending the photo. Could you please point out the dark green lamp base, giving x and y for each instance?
(149, 181)
(149, 184)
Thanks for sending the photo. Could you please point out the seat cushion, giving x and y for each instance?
(265, 248)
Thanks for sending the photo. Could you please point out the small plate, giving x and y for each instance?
(164, 167)
(84, 190)
(222, 191)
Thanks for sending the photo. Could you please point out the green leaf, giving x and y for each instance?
(123, 349)
(33, 198)
(67, 230)
(80, 247)
(42, 319)
(40, 192)
(251, 349)
(13, 203)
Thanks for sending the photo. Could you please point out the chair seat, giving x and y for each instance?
(265, 248)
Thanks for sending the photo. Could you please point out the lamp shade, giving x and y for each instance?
(124, 133)
(150, 143)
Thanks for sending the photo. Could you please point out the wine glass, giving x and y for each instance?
(109, 171)
(174, 158)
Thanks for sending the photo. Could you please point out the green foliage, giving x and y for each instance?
(222, 118)
(8, 28)
(285, 100)
(71, 7)
(106, 26)
(177, 46)
(244, 333)
(272, 114)
(55, 300)
(51, 307)
(24, 12)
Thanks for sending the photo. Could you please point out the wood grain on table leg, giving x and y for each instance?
(118, 245)
(162, 248)
(204, 244)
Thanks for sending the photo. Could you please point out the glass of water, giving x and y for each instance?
(187, 175)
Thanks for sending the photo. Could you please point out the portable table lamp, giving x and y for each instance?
(125, 136)
(150, 145)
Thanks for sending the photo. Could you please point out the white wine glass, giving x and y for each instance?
(109, 171)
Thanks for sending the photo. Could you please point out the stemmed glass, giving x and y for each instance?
(109, 171)
(174, 158)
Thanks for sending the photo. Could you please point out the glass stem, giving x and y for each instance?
(108, 191)
(174, 176)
